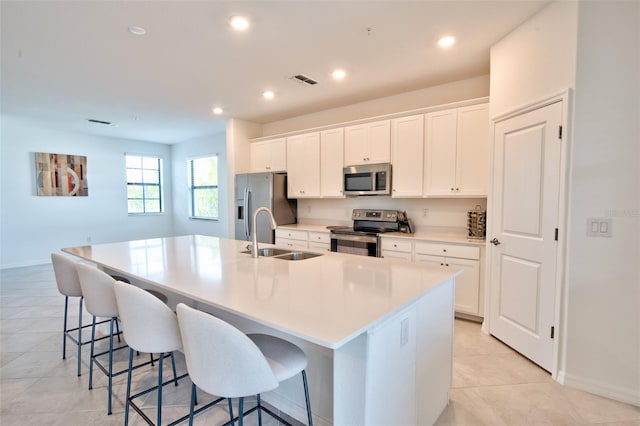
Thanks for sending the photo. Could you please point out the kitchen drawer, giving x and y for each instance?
(319, 237)
(291, 234)
(400, 255)
(447, 250)
(320, 246)
(287, 242)
(395, 244)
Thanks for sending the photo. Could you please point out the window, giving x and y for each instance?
(144, 184)
(203, 187)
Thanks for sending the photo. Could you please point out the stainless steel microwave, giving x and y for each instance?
(367, 179)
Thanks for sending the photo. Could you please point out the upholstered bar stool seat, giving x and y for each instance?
(149, 326)
(100, 299)
(223, 361)
(68, 284)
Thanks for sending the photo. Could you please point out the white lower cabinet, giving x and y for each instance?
(303, 239)
(320, 240)
(291, 238)
(466, 258)
(396, 248)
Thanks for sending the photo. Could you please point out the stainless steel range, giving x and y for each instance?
(364, 237)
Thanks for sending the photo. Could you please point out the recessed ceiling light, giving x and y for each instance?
(239, 23)
(446, 41)
(339, 74)
(268, 94)
(217, 110)
(137, 31)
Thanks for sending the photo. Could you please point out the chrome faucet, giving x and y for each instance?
(254, 249)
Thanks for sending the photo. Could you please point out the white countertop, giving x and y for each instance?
(327, 300)
(435, 234)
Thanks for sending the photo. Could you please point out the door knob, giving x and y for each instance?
(495, 242)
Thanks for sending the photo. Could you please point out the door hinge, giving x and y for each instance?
(556, 235)
(553, 329)
(559, 132)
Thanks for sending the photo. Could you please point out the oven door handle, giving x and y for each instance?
(357, 238)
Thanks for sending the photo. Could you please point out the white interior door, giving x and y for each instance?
(527, 152)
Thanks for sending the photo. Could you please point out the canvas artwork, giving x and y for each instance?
(61, 175)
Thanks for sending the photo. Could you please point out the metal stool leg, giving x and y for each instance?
(173, 365)
(230, 409)
(241, 411)
(93, 339)
(64, 328)
(160, 389)
(126, 405)
(306, 396)
(193, 402)
(80, 336)
(259, 410)
(110, 365)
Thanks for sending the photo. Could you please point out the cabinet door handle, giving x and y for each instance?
(452, 189)
(495, 242)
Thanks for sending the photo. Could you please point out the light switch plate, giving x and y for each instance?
(598, 227)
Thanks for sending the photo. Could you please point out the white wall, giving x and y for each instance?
(536, 60)
(592, 47)
(440, 212)
(181, 153)
(31, 227)
(462, 90)
(603, 317)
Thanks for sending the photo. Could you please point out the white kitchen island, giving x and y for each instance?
(378, 333)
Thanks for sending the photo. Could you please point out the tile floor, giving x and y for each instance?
(492, 385)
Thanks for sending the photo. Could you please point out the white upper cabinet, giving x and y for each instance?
(331, 162)
(456, 156)
(268, 156)
(303, 172)
(368, 143)
(407, 142)
(473, 150)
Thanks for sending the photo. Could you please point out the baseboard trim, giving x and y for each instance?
(595, 387)
(24, 264)
(292, 409)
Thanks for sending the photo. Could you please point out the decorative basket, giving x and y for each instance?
(477, 224)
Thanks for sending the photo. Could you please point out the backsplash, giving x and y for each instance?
(425, 212)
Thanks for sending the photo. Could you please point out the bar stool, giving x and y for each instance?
(149, 326)
(222, 360)
(100, 301)
(69, 286)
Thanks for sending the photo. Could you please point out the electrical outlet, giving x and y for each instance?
(308, 209)
(89, 239)
(404, 332)
(425, 212)
(598, 227)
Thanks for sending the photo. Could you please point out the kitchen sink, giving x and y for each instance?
(269, 252)
(298, 255)
(283, 254)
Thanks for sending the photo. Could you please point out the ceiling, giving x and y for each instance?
(65, 62)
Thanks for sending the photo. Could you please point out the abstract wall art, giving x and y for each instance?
(61, 175)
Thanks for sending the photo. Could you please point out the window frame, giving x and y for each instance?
(191, 188)
(160, 185)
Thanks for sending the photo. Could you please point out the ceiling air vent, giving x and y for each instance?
(106, 123)
(300, 78)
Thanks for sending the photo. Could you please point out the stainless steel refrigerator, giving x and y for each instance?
(253, 190)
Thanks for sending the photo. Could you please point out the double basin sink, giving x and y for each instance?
(284, 254)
